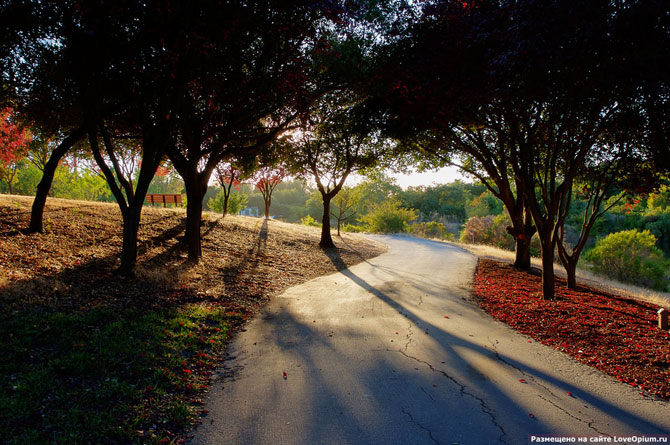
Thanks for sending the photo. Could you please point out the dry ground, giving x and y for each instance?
(71, 265)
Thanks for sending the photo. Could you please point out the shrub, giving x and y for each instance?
(388, 217)
(236, 202)
(309, 221)
(630, 256)
(352, 228)
(431, 229)
(488, 230)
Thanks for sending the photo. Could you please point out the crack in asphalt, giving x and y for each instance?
(567, 413)
(411, 419)
(463, 391)
(589, 424)
(410, 332)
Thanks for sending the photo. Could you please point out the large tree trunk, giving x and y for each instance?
(548, 277)
(195, 193)
(131, 226)
(522, 252)
(522, 230)
(326, 238)
(37, 212)
(571, 271)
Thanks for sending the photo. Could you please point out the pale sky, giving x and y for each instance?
(442, 176)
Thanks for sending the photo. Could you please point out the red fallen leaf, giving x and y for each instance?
(446, 316)
(522, 380)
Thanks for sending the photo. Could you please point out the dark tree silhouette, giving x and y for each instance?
(333, 144)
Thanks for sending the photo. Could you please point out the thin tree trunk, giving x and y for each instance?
(268, 201)
(326, 238)
(37, 212)
(225, 203)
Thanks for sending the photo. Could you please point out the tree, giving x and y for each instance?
(345, 203)
(333, 144)
(14, 140)
(33, 53)
(244, 86)
(266, 179)
(540, 85)
(228, 176)
(95, 70)
(607, 167)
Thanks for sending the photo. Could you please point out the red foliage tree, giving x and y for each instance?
(228, 176)
(14, 141)
(266, 180)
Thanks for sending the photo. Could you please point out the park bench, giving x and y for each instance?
(163, 198)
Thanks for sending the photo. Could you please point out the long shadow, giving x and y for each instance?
(393, 404)
(94, 281)
(449, 341)
(247, 262)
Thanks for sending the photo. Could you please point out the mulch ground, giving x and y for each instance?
(71, 265)
(617, 335)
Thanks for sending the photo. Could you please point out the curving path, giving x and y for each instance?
(371, 358)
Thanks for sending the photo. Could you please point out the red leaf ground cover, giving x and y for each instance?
(617, 335)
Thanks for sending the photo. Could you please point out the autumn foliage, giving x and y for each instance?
(615, 335)
(14, 139)
(266, 180)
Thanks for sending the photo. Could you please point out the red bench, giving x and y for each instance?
(165, 199)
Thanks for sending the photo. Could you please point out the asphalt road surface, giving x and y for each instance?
(394, 351)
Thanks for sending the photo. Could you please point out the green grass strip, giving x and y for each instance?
(105, 376)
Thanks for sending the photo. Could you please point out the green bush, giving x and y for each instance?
(309, 221)
(630, 256)
(236, 202)
(388, 217)
(431, 229)
(352, 228)
(489, 230)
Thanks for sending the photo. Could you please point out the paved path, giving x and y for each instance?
(371, 358)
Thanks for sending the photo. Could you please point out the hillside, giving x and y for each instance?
(245, 260)
(91, 357)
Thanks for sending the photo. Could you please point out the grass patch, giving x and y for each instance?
(106, 376)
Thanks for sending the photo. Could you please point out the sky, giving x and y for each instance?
(441, 176)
